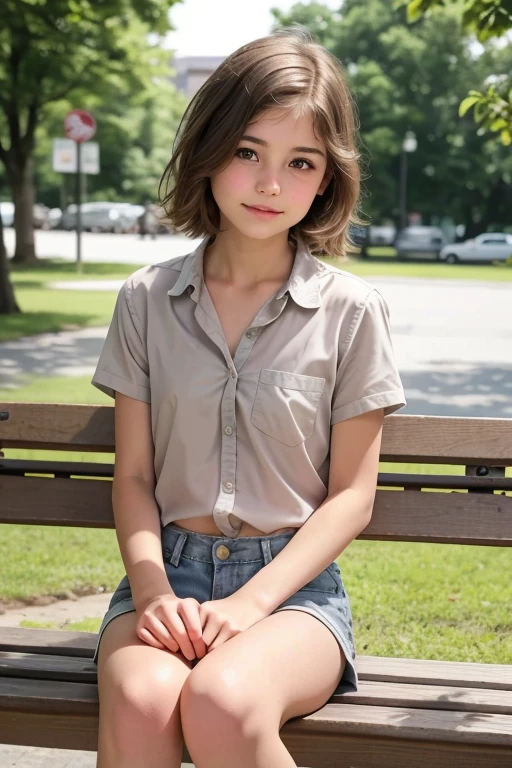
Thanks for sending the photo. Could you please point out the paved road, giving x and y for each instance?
(452, 338)
(96, 247)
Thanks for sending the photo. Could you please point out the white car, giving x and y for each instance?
(491, 246)
(7, 213)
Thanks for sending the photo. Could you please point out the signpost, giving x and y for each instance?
(79, 126)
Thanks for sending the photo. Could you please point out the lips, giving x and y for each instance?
(264, 208)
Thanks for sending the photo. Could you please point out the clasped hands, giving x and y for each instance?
(183, 624)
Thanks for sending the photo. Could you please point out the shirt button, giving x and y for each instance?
(228, 487)
(228, 431)
(249, 334)
(233, 374)
(222, 552)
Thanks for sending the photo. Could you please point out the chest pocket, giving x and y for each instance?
(286, 404)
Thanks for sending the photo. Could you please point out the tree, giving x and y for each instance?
(486, 19)
(8, 303)
(49, 49)
(413, 77)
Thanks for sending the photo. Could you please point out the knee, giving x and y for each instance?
(214, 706)
(140, 708)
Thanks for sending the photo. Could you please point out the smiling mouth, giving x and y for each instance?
(263, 208)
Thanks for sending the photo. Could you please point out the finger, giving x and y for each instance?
(176, 627)
(211, 629)
(160, 631)
(189, 612)
(146, 636)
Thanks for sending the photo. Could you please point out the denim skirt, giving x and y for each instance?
(213, 567)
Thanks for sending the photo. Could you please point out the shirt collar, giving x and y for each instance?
(302, 285)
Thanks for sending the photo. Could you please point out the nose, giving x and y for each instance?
(268, 182)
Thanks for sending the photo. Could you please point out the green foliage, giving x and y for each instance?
(413, 76)
(486, 19)
(56, 55)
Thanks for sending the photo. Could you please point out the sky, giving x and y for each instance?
(219, 27)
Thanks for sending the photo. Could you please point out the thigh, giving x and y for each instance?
(288, 665)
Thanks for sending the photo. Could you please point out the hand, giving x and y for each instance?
(222, 619)
(171, 623)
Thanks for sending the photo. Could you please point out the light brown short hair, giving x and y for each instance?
(288, 70)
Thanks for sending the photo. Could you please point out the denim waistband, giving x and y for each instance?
(177, 541)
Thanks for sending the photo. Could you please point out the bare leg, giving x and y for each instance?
(139, 689)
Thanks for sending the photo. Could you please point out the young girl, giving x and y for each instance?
(251, 381)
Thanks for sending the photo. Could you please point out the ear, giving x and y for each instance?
(324, 183)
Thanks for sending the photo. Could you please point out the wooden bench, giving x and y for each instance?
(407, 712)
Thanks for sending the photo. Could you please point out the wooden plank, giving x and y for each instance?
(326, 750)
(428, 697)
(41, 666)
(58, 426)
(21, 467)
(433, 672)
(377, 668)
(406, 723)
(55, 696)
(33, 666)
(449, 439)
(463, 518)
(48, 641)
(49, 501)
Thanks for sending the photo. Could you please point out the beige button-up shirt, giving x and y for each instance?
(247, 438)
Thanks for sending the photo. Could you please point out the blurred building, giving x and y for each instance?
(193, 71)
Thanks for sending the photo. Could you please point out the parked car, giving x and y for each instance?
(419, 242)
(490, 246)
(7, 213)
(381, 235)
(103, 217)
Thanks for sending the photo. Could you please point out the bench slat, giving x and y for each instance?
(377, 668)
(48, 641)
(32, 696)
(71, 669)
(411, 723)
(433, 672)
(405, 438)
(429, 697)
(463, 518)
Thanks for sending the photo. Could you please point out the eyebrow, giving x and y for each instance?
(310, 150)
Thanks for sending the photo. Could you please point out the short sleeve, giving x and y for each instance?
(367, 377)
(123, 363)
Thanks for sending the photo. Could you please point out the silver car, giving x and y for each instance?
(103, 217)
(490, 246)
(419, 242)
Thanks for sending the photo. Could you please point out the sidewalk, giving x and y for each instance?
(68, 353)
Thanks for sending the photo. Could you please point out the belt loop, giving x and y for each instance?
(180, 543)
(267, 552)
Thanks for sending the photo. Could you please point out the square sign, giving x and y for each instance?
(64, 156)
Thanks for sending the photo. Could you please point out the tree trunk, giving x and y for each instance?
(8, 305)
(23, 197)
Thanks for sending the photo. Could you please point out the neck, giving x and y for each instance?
(241, 262)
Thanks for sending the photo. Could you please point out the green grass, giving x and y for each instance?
(412, 600)
(48, 310)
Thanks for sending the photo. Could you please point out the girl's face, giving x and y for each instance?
(279, 165)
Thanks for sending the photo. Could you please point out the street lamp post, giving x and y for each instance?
(409, 144)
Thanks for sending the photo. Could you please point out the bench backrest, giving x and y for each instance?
(473, 508)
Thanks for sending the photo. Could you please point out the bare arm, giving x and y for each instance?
(136, 512)
(347, 510)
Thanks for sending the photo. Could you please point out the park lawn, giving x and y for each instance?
(49, 310)
(409, 600)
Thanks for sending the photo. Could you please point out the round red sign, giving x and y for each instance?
(79, 125)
